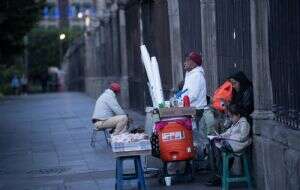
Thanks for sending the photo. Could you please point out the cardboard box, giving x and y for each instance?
(177, 111)
(132, 146)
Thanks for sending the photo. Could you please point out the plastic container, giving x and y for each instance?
(186, 101)
(175, 141)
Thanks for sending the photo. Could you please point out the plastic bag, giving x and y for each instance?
(221, 95)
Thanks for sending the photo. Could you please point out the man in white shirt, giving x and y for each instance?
(108, 113)
(196, 90)
(194, 81)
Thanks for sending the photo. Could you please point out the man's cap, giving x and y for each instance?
(196, 57)
(115, 87)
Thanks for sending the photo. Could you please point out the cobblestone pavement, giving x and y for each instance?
(45, 145)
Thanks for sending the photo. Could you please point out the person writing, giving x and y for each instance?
(234, 139)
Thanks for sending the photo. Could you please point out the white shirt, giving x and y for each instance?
(238, 135)
(195, 84)
(107, 106)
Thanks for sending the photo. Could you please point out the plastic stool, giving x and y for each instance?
(94, 133)
(226, 178)
(139, 173)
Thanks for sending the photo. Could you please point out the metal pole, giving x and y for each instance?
(60, 52)
(26, 55)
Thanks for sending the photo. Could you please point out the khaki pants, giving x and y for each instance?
(119, 122)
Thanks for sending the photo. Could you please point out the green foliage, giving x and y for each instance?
(44, 48)
(17, 17)
(43, 51)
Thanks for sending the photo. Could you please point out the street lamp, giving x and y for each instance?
(62, 36)
(80, 15)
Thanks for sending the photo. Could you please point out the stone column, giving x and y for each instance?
(123, 55)
(92, 43)
(209, 44)
(89, 54)
(90, 62)
(115, 39)
(175, 42)
(276, 153)
(103, 17)
(123, 42)
(262, 87)
(262, 84)
(100, 6)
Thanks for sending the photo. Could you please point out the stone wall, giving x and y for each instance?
(276, 157)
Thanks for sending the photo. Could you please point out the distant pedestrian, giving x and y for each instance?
(44, 80)
(15, 84)
(24, 84)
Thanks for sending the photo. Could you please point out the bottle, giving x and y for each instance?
(186, 101)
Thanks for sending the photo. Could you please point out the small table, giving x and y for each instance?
(139, 173)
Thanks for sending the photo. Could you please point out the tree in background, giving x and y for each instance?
(17, 17)
(44, 48)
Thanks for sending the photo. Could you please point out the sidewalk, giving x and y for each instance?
(45, 144)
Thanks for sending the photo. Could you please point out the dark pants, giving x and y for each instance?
(197, 133)
(199, 114)
(24, 88)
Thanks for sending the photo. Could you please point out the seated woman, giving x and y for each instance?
(242, 94)
(234, 139)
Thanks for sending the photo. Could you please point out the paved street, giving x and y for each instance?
(44, 144)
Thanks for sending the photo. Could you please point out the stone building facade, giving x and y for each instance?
(66, 13)
(232, 35)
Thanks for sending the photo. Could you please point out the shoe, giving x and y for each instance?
(214, 181)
